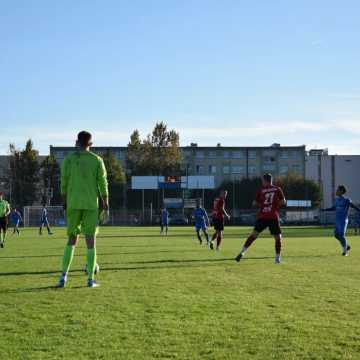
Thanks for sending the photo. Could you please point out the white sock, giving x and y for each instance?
(243, 251)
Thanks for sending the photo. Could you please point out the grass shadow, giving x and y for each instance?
(39, 289)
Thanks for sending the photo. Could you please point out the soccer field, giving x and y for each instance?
(169, 298)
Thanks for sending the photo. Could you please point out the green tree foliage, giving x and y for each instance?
(241, 193)
(23, 175)
(295, 187)
(158, 154)
(134, 154)
(50, 177)
(116, 179)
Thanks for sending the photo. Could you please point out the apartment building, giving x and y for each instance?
(223, 162)
(329, 171)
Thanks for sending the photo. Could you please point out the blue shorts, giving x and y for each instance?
(44, 221)
(200, 226)
(340, 228)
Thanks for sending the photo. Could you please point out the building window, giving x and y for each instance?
(226, 154)
(238, 169)
(212, 169)
(238, 154)
(296, 169)
(284, 155)
(252, 170)
(268, 153)
(187, 153)
(199, 169)
(226, 170)
(269, 167)
(200, 155)
(284, 169)
(252, 154)
(296, 155)
(269, 160)
(119, 156)
(212, 154)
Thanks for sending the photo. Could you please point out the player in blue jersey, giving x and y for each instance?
(44, 221)
(342, 207)
(164, 221)
(16, 219)
(357, 224)
(201, 221)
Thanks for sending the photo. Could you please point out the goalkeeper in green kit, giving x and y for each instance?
(83, 184)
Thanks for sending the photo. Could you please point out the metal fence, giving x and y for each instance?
(147, 217)
(32, 215)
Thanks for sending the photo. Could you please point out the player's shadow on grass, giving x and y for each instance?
(187, 263)
(216, 260)
(24, 273)
(173, 263)
(99, 254)
(141, 236)
(74, 272)
(37, 289)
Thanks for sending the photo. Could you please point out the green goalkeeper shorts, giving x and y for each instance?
(82, 222)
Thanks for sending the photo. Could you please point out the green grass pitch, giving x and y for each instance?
(169, 298)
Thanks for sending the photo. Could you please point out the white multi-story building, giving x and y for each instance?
(333, 170)
(225, 163)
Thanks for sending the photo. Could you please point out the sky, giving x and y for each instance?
(235, 72)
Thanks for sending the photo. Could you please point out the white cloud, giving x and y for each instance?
(43, 139)
(350, 147)
(252, 133)
(268, 128)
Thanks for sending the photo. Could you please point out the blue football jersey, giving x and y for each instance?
(44, 214)
(199, 215)
(15, 216)
(342, 208)
(165, 216)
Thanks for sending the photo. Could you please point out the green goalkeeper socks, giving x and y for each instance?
(68, 256)
(91, 262)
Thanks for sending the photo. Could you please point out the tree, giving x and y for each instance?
(241, 193)
(134, 154)
(158, 154)
(50, 176)
(116, 179)
(165, 155)
(296, 187)
(23, 175)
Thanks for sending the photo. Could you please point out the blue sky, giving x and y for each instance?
(232, 71)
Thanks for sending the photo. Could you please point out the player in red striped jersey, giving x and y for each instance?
(218, 217)
(269, 200)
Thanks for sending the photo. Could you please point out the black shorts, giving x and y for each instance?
(272, 224)
(3, 223)
(218, 224)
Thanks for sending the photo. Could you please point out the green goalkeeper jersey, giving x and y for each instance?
(83, 180)
(4, 208)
